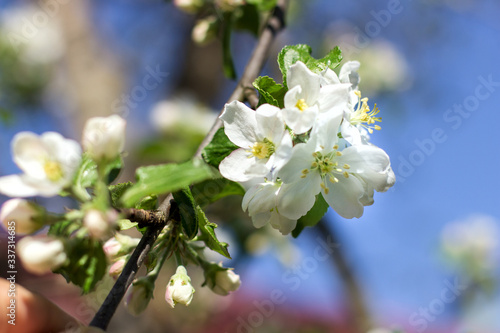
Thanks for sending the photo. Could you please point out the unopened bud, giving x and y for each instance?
(179, 288)
(27, 216)
(41, 255)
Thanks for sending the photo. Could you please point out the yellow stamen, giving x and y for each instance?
(347, 166)
(301, 104)
(53, 170)
(346, 175)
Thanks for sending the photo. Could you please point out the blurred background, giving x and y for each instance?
(424, 258)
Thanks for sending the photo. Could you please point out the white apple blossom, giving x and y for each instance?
(179, 288)
(226, 281)
(342, 176)
(104, 137)
(265, 144)
(307, 98)
(119, 245)
(261, 202)
(27, 216)
(49, 162)
(40, 255)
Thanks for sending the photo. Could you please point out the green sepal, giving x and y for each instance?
(312, 217)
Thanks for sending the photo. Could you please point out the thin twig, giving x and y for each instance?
(361, 317)
(110, 304)
(252, 70)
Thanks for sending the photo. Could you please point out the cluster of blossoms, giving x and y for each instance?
(49, 163)
(318, 144)
(51, 166)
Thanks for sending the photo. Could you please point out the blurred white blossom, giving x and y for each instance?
(182, 112)
(27, 216)
(40, 255)
(104, 137)
(49, 162)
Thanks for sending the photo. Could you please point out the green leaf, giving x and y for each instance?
(218, 149)
(124, 224)
(247, 17)
(312, 217)
(166, 178)
(187, 211)
(263, 5)
(211, 190)
(117, 192)
(227, 57)
(63, 229)
(87, 265)
(290, 54)
(270, 91)
(208, 236)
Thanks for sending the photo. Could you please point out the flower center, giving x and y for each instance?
(364, 116)
(53, 170)
(263, 149)
(328, 167)
(301, 104)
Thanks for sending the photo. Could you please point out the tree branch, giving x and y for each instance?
(361, 317)
(167, 207)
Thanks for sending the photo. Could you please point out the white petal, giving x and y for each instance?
(29, 153)
(65, 151)
(264, 200)
(261, 219)
(241, 166)
(270, 123)
(324, 132)
(329, 77)
(283, 153)
(14, 186)
(344, 197)
(240, 124)
(349, 73)
(301, 159)
(296, 199)
(334, 98)
(364, 158)
(300, 121)
(281, 223)
(300, 75)
(350, 133)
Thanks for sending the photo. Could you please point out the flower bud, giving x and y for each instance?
(205, 30)
(41, 255)
(226, 281)
(99, 224)
(28, 216)
(189, 6)
(138, 296)
(179, 288)
(119, 245)
(116, 269)
(104, 138)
